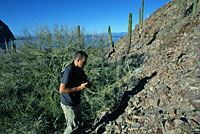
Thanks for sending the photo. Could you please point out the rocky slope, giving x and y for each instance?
(169, 101)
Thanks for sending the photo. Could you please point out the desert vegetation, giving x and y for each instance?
(30, 78)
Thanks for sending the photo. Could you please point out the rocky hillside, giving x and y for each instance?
(167, 98)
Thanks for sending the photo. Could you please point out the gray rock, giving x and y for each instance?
(196, 103)
(169, 103)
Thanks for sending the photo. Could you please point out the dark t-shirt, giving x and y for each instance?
(72, 77)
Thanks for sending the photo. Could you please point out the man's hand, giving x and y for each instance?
(63, 89)
(83, 86)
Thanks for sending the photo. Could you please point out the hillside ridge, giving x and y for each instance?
(169, 103)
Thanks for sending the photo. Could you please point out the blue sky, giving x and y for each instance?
(93, 15)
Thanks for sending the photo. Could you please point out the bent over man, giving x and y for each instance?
(74, 80)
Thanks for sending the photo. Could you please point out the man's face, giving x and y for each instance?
(82, 62)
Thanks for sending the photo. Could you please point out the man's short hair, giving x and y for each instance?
(80, 55)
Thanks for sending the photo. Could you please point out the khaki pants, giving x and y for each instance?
(73, 118)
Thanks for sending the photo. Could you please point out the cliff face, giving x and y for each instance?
(169, 102)
(5, 34)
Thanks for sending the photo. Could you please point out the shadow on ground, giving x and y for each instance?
(99, 127)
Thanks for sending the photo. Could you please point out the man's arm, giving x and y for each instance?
(64, 89)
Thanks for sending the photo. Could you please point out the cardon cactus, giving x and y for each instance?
(7, 45)
(129, 30)
(185, 4)
(194, 8)
(78, 31)
(142, 11)
(110, 37)
(179, 4)
(13, 46)
(80, 40)
(140, 21)
(130, 25)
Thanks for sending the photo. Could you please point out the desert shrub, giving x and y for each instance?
(30, 78)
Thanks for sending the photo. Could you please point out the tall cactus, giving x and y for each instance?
(11, 42)
(129, 30)
(179, 4)
(140, 21)
(110, 37)
(142, 11)
(7, 45)
(194, 8)
(130, 25)
(13, 46)
(185, 4)
(78, 32)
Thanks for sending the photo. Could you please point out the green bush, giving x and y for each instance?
(30, 78)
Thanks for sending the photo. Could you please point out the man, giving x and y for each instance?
(74, 80)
